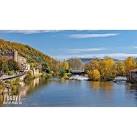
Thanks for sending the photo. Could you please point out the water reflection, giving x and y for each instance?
(26, 89)
(32, 86)
(1, 99)
(131, 87)
(105, 86)
(40, 92)
(132, 90)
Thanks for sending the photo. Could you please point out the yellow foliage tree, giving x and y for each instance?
(107, 68)
(130, 63)
(65, 65)
(94, 75)
(94, 64)
(120, 68)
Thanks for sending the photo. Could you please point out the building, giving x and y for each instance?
(22, 62)
(13, 55)
(35, 72)
(10, 55)
(7, 54)
(132, 76)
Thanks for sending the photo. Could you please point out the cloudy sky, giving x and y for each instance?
(84, 43)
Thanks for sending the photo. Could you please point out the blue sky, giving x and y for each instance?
(118, 44)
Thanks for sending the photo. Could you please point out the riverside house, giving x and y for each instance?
(132, 77)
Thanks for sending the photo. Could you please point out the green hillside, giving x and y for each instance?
(32, 55)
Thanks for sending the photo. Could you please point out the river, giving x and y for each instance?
(73, 93)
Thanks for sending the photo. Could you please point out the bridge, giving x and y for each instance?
(77, 72)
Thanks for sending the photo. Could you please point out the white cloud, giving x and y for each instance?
(80, 50)
(103, 35)
(89, 49)
(28, 31)
(113, 55)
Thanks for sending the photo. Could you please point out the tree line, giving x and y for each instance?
(97, 69)
(107, 68)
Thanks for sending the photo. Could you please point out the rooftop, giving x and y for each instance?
(134, 70)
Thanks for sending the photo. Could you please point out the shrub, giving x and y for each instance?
(28, 77)
(94, 75)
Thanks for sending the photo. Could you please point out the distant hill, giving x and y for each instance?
(87, 60)
(32, 55)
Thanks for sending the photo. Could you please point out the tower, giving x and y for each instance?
(15, 56)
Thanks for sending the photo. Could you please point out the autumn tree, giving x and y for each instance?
(94, 64)
(45, 67)
(4, 65)
(94, 75)
(65, 65)
(7, 65)
(120, 68)
(12, 65)
(130, 63)
(107, 68)
(64, 70)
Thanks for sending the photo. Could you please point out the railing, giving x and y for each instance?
(11, 77)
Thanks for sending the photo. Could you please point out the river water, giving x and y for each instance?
(73, 93)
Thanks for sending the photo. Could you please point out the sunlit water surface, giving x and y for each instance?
(73, 93)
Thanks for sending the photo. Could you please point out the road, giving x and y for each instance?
(6, 77)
